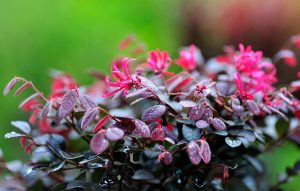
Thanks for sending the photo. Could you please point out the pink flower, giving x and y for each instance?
(159, 61)
(123, 80)
(247, 60)
(187, 59)
(244, 92)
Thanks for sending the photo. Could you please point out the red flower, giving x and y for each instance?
(159, 61)
(188, 58)
(247, 60)
(244, 92)
(123, 80)
(61, 84)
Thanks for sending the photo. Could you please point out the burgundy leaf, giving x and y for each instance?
(158, 134)
(100, 124)
(67, 103)
(205, 152)
(99, 143)
(141, 129)
(253, 107)
(196, 112)
(166, 157)
(10, 85)
(89, 117)
(114, 133)
(87, 102)
(22, 88)
(201, 124)
(153, 113)
(193, 150)
(218, 124)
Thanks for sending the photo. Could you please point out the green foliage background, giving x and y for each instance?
(75, 36)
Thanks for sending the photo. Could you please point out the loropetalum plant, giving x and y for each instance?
(146, 128)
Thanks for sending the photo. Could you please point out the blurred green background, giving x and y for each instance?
(75, 36)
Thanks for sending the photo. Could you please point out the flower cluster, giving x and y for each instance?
(201, 128)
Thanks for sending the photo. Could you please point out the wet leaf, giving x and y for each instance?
(201, 124)
(141, 129)
(232, 142)
(205, 152)
(193, 150)
(158, 134)
(153, 113)
(218, 124)
(99, 143)
(148, 84)
(196, 112)
(136, 93)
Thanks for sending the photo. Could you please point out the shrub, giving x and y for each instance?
(146, 128)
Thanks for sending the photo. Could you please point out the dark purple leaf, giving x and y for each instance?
(158, 134)
(114, 133)
(141, 129)
(67, 103)
(193, 150)
(10, 85)
(253, 107)
(99, 143)
(89, 117)
(218, 124)
(22, 125)
(196, 112)
(205, 152)
(201, 124)
(87, 102)
(153, 113)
